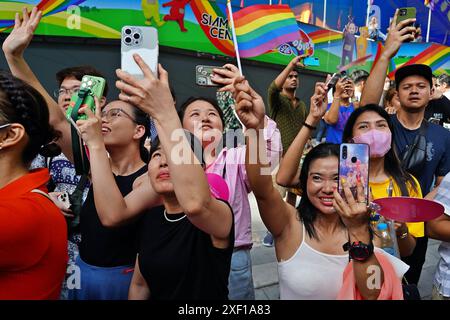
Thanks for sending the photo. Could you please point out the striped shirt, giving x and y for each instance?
(442, 276)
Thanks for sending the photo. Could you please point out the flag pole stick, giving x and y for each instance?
(233, 31)
(238, 59)
(429, 23)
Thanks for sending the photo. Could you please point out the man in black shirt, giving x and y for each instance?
(439, 106)
(415, 87)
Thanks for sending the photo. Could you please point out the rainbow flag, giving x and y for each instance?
(260, 28)
(434, 57)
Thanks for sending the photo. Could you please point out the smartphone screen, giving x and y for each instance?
(203, 75)
(354, 168)
(143, 41)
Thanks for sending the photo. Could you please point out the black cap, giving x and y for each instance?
(414, 70)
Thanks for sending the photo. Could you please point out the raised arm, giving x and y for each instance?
(289, 171)
(354, 215)
(13, 47)
(250, 109)
(153, 96)
(398, 34)
(113, 209)
(332, 115)
(281, 78)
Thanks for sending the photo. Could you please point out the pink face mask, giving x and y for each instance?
(379, 142)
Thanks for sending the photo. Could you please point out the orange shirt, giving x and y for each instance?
(33, 241)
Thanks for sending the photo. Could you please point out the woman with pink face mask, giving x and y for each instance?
(371, 125)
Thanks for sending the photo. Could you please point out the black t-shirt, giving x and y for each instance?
(109, 247)
(439, 109)
(179, 261)
(437, 161)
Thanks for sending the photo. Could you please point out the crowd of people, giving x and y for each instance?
(149, 220)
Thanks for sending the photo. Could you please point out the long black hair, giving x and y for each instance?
(21, 103)
(392, 164)
(306, 210)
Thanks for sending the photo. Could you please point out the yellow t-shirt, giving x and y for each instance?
(380, 190)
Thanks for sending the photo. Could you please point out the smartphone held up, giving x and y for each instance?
(91, 86)
(404, 14)
(143, 41)
(354, 168)
(203, 75)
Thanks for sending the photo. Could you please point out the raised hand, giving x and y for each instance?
(150, 94)
(318, 105)
(91, 128)
(398, 33)
(297, 62)
(249, 105)
(20, 37)
(226, 77)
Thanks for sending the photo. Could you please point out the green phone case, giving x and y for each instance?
(406, 13)
(96, 86)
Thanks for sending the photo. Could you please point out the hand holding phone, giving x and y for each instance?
(404, 14)
(334, 79)
(95, 87)
(203, 76)
(143, 41)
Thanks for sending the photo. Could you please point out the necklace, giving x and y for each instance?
(176, 220)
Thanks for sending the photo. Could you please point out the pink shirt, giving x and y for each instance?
(236, 178)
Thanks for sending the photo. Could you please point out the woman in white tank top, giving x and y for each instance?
(308, 241)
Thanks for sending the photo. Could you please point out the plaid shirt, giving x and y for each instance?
(442, 276)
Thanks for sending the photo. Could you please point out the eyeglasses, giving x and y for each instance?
(114, 113)
(59, 92)
(2, 126)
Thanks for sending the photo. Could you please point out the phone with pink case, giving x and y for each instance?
(354, 168)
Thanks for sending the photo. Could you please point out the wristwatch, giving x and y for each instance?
(358, 250)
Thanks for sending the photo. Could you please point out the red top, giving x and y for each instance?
(33, 241)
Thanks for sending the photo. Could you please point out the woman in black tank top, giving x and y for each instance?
(107, 255)
(187, 243)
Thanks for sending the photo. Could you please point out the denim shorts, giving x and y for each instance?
(240, 282)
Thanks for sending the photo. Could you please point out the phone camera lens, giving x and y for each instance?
(127, 40)
(127, 31)
(354, 159)
(136, 36)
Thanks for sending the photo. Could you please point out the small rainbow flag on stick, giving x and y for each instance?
(260, 28)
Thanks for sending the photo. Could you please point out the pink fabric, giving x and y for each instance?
(390, 290)
(236, 178)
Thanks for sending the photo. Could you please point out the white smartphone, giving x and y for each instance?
(141, 40)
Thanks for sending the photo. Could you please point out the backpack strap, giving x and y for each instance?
(80, 157)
